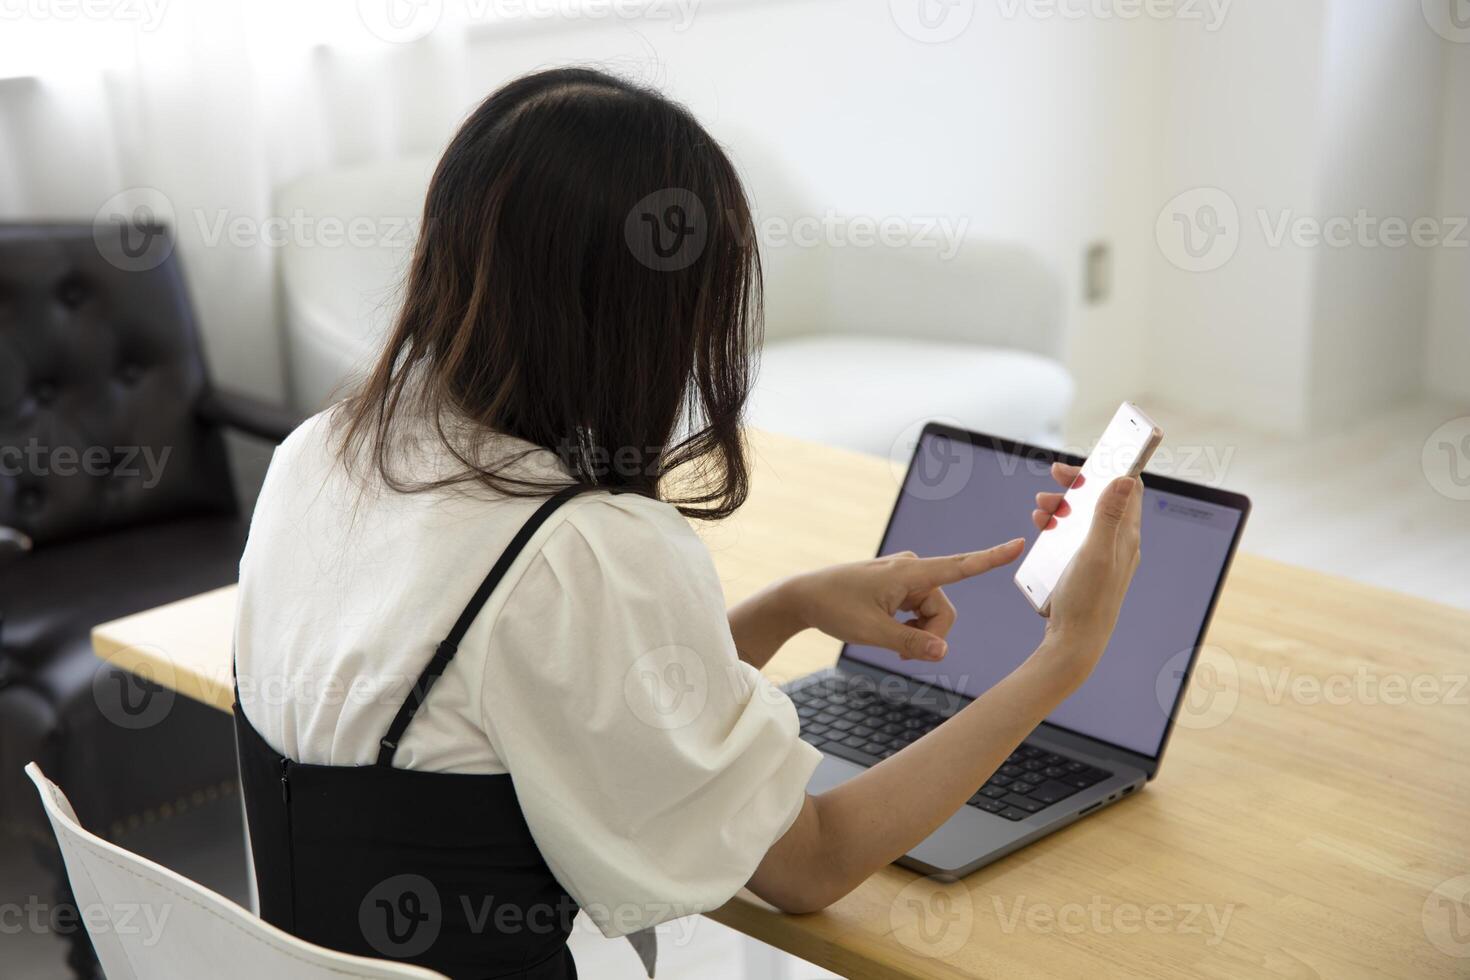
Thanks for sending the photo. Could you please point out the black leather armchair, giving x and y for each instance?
(115, 496)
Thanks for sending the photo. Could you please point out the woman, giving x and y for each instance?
(447, 775)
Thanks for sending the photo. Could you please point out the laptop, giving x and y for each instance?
(962, 491)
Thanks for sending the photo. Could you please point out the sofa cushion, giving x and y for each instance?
(52, 597)
(872, 393)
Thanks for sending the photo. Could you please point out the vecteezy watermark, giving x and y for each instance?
(1209, 13)
(601, 462)
(1450, 19)
(401, 916)
(1362, 230)
(1199, 230)
(406, 21)
(667, 687)
(36, 459)
(139, 695)
(1099, 916)
(932, 21)
(943, 233)
(1363, 686)
(303, 230)
(1205, 463)
(937, 468)
(1446, 917)
(679, 13)
(668, 229)
(141, 919)
(1446, 459)
(321, 690)
(932, 918)
(1212, 691)
(130, 229)
(146, 14)
(400, 21)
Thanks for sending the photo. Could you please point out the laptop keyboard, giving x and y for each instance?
(851, 721)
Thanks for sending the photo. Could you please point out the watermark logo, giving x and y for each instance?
(679, 13)
(1104, 918)
(932, 21)
(401, 916)
(145, 464)
(933, 918)
(1210, 14)
(667, 687)
(1205, 463)
(1450, 19)
(130, 230)
(1199, 230)
(938, 468)
(1446, 917)
(300, 229)
(400, 21)
(146, 14)
(1365, 687)
(139, 696)
(143, 923)
(667, 230)
(1212, 693)
(1362, 230)
(1446, 459)
(943, 234)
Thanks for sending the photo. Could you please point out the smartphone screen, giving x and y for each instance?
(1123, 450)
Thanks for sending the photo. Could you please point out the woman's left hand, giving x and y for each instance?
(859, 602)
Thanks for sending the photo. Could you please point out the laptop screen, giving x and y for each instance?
(960, 496)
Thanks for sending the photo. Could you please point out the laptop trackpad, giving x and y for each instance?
(831, 772)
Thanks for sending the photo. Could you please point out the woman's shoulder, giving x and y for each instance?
(629, 525)
(308, 442)
(629, 538)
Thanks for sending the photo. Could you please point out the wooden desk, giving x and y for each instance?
(1312, 819)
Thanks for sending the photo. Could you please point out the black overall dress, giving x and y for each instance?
(435, 869)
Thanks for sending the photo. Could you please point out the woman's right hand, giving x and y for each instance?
(1085, 603)
(843, 835)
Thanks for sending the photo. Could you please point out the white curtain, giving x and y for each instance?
(199, 110)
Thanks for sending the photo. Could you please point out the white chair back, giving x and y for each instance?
(149, 923)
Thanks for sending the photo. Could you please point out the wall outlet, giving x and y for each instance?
(1097, 275)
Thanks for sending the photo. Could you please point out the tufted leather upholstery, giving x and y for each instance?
(106, 363)
(113, 464)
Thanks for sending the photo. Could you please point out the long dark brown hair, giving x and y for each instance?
(586, 280)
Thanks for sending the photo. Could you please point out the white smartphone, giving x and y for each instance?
(1124, 449)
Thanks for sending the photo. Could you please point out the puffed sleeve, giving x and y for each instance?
(654, 767)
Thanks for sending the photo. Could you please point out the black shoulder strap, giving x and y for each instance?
(450, 645)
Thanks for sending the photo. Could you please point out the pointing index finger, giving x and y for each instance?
(929, 573)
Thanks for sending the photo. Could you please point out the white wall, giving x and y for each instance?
(1240, 119)
(1378, 150)
(1031, 127)
(1300, 116)
(1448, 346)
(1028, 128)
(1052, 132)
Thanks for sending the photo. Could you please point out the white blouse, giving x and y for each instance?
(654, 767)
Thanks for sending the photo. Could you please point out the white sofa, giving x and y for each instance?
(863, 344)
